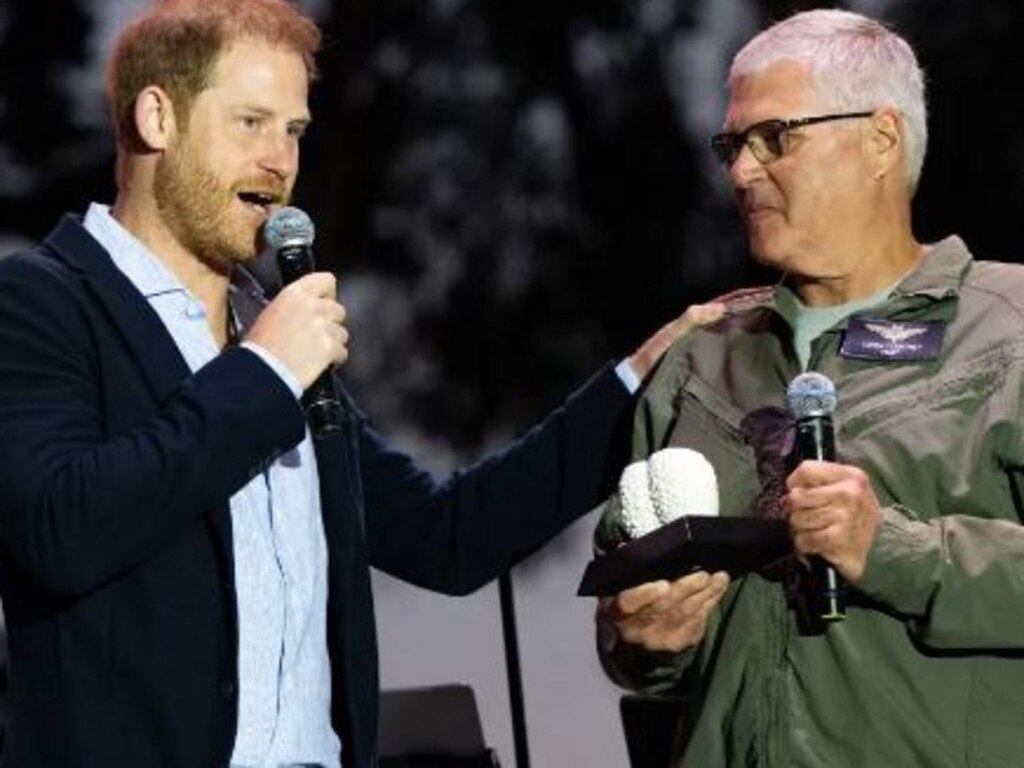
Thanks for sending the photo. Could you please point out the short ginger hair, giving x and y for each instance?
(176, 44)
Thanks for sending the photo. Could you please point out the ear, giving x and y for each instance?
(885, 141)
(154, 117)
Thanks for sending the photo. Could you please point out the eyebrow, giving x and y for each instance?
(303, 121)
(732, 129)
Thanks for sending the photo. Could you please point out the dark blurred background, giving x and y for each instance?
(514, 192)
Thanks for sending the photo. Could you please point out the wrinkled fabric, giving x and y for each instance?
(927, 668)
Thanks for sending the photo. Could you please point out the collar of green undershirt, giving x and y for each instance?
(808, 323)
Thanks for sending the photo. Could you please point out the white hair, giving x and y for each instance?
(856, 64)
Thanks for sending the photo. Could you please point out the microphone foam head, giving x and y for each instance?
(637, 514)
(288, 227)
(811, 394)
(682, 482)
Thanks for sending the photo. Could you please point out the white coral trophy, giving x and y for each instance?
(682, 482)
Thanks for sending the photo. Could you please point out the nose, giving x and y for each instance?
(280, 154)
(745, 169)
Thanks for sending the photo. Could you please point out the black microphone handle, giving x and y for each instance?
(320, 401)
(815, 439)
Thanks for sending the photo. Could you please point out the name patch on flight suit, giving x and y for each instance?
(869, 338)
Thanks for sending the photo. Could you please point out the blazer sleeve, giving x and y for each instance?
(79, 505)
(454, 535)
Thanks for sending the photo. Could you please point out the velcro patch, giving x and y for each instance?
(869, 338)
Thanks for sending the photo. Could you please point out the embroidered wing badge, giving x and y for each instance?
(896, 334)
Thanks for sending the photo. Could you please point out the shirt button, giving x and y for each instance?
(227, 688)
(195, 311)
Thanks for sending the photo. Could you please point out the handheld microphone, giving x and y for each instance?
(812, 401)
(290, 232)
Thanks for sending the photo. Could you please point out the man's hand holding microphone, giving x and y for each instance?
(303, 327)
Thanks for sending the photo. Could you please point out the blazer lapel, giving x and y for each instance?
(159, 359)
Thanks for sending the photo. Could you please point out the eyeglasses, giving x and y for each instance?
(768, 140)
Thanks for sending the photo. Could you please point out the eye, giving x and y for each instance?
(250, 122)
(762, 141)
(767, 140)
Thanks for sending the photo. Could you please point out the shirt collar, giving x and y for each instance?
(940, 273)
(152, 277)
(139, 264)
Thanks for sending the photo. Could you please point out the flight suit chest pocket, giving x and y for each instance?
(747, 450)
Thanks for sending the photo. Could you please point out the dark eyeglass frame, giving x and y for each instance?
(727, 146)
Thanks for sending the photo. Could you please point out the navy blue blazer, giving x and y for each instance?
(116, 466)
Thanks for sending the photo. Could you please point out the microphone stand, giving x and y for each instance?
(515, 678)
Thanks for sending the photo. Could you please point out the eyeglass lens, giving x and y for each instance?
(764, 139)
